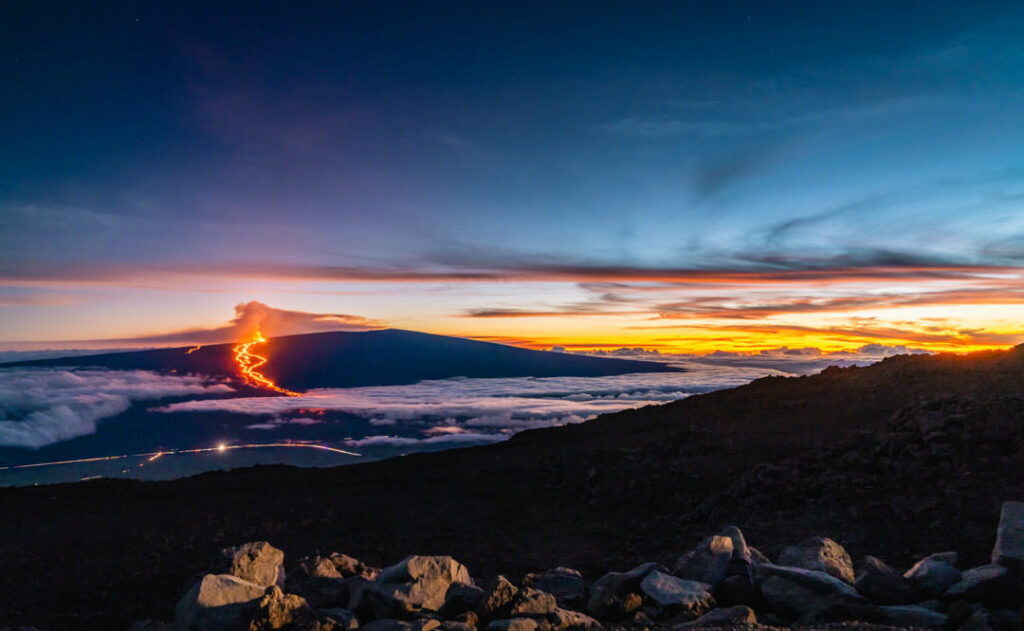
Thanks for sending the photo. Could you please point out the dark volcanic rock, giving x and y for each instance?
(934, 574)
(882, 584)
(497, 599)
(565, 584)
(672, 595)
(257, 562)
(708, 562)
(1009, 548)
(610, 595)
(724, 617)
(533, 602)
(794, 592)
(417, 583)
(216, 597)
(822, 554)
(989, 584)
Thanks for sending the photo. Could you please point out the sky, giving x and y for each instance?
(686, 177)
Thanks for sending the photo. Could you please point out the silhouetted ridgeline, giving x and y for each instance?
(368, 358)
(906, 457)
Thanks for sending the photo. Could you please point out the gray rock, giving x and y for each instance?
(533, 602)
(882, 584)
(741, 552)
(317, 567)
(822, 554)
(989, 584)
(912, 616)
(349, 566)
(608, 594)
(737, 589)
(977, 622)
(257, 562)
(934, 574)
(795, 592)
(514, 624)
(708, 562)
(342, 618)
(277, 610)
(723, 617)
(674, 595)
(460, 598)
(1009, 548)
(497, 599)
(565, 584)
(757, 557)
(568, 620)
(321, 593)
(220, 596)
(418, 583)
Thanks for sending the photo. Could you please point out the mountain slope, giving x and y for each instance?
(782, 458)
(368, 358)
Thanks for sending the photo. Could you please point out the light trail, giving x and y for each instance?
(248, 362)
(153, 455)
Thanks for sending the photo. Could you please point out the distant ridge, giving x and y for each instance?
(344, 359)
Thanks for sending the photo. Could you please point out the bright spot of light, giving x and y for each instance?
(222, 447)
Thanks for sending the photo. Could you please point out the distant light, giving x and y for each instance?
(222, 447)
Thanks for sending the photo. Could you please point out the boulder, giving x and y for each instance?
(741, 552)
(737, 589)
(565, 584)
(977, 622)
(568, 620)
(217, 596)
(342, 618)
(912, 616)
(989, 584)
(257, 562)
(497, 599)
(708, 562)
(460, 598)
(514, 624)
(795, 592)
(317, 567)
(821, 554)
(467, 621)
(1009, 548)
(757, 557)
(723, 617)
(609, 595)
(349, 566)
(882, 584)
(321, 593)
(934, 574)
(673, 595)
(533, 602)
(277, 610)
(418, 583)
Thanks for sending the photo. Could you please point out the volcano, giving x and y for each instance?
(345, 359)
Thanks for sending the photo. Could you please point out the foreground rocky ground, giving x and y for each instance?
(721, 582)
(909, 456)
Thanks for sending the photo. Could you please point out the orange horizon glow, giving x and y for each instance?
(248, 363)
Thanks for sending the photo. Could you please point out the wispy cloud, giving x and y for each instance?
(40, 407)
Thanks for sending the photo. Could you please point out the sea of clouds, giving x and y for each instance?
(41, 406)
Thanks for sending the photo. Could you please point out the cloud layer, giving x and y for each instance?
(40, 407)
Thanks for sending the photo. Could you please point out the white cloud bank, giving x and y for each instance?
(39, 407)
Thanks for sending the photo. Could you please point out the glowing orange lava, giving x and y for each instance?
(193, 349)
(248, 362)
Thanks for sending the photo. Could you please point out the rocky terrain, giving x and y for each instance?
(723, 581)
(896, 460)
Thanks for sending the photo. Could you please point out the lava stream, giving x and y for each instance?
(248, 362)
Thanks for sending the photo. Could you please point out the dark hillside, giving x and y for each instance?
(910, 455)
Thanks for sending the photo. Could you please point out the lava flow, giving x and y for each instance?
(248, 362)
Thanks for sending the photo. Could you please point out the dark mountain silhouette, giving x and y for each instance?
(345, 359)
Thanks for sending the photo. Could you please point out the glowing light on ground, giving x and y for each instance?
(248, 363)
(153, 455)
(193, 349)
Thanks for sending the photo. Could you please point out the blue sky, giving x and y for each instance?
(436, 166)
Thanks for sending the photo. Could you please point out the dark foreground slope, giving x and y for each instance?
(343, 359)
(911, 455)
